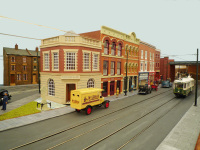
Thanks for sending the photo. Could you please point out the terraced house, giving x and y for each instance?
(20, 66)
(117, 49)
(69, 62)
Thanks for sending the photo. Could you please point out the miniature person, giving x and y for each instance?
(5, 101)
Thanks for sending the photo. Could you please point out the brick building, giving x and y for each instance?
(116, 46)
(165, 70)
(157, 64)
(147, 63)
(20, 66)
(69, 62)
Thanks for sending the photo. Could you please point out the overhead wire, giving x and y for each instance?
(19, 36)
(32, 23)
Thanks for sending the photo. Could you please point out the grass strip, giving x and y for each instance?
(28, 109)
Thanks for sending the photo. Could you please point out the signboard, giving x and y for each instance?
(143, 76)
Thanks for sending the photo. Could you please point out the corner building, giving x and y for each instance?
(69, 62)
(117, 49)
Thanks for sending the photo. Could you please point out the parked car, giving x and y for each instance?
(166, 83)
(2, 92)
(144, 89)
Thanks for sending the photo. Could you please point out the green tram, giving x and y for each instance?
(183, 87)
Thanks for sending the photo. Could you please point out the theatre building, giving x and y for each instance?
(117, 49)
(69, 62)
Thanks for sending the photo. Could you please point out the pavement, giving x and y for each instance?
(183, 136)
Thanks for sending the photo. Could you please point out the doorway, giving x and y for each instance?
(112, 86)
(105, 91)
(69, 87)
(34, 79)
(12, 79)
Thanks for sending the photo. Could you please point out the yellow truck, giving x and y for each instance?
(86, 99)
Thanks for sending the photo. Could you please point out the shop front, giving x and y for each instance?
(143, 78)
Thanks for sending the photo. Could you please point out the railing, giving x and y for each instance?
(71, 39)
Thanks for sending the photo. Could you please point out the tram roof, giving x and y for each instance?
(184, 80)
(184, 63)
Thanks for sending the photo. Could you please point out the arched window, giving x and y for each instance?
(129, 67)
(106, 47)
(119, 49)
(51, 87)
(90, 83)
(113, 49)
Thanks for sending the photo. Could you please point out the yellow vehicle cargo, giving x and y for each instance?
(85, 99)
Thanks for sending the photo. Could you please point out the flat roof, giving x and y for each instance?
(184, 63)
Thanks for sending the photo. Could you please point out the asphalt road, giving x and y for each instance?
(20, 92)
(145, 121)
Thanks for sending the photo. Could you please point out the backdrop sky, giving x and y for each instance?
(173, 26)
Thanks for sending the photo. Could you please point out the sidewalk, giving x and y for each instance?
(185, 134)
(56, 110)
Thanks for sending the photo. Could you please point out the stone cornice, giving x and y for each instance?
(120, 35)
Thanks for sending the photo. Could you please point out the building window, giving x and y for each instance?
(119, 52)
(24, 68)
(150, 55)
(86, 62)
(158, 64)
(12, 67)
(141, 54)
(25, 77)
(34, 68)
(24, 59)
(106, 47)
(18, 77)
(51, 87)
(141, 66)
(105, 68)
(133, 67)
(46, 61)
(129, 67)
(118, 68)
(125, 67)
(90, 83)
(70, 60)
(113, 49)
(13, 59)
(35, 60)
(55, 61)
(145, 66)
(95, 61)
(112, 71)
(153, 56)
(145, 54)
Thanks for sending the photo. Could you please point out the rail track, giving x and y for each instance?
(86, 122)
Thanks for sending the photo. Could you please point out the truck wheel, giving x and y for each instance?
(88, 110)
(106, 104)
(78, 110)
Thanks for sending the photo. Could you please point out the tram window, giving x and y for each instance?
(184, 85)
(179, 85)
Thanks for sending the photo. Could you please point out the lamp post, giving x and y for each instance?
(196, 90)
(125, 92)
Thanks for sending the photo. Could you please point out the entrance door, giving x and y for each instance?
(118, 85)
(12, 79)
(69, 87)
(112, 86)
(105, 87)
(34, 79)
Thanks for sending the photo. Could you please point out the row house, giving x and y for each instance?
(118, 49)
(69, 62)
(147, 63)
(20, 66)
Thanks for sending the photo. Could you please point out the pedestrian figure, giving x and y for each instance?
(5, 101)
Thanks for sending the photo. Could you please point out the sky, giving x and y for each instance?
(173, 26)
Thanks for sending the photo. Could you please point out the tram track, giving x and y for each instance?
(78, 125)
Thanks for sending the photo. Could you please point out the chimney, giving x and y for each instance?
(16, 47)
(36, 49)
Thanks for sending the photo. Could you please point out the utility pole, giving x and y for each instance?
(125, 92)
(195, 104)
